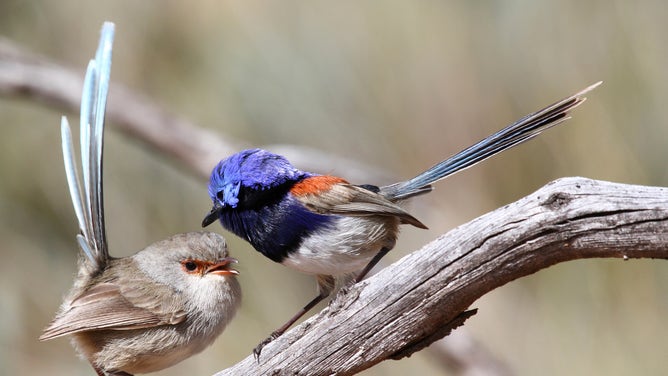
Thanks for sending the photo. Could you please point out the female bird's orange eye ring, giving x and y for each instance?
(190, 266)
(202, 267)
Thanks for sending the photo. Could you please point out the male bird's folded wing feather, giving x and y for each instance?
(351, 200)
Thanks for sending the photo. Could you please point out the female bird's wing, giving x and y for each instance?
(110, 306)
(331, 195)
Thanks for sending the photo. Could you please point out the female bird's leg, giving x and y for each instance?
(325, 287)
(98, 370)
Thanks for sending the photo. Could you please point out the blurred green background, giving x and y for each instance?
(397, 84)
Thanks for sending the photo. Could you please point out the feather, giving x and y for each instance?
(518, 132)
(352, 200)
(87, 198)
(116, 306)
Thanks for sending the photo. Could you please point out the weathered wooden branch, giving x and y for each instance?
(420, 298)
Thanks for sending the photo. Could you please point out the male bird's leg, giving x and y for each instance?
(383, 251)
(326, 284)
(325, 287)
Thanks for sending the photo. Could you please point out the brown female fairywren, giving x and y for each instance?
(145, 312)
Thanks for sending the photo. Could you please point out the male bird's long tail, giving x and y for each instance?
(522, 130)
(87, 199)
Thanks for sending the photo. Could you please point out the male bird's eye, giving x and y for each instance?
(250, 198)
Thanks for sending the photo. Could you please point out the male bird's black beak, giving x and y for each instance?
(213, 214)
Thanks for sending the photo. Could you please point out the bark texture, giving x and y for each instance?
(422, 297)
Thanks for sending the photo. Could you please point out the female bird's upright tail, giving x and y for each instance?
(87, 197)
(522, 130)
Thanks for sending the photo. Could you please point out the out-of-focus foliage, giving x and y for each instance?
(399, 84)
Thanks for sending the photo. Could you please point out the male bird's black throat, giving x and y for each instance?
(273, 221)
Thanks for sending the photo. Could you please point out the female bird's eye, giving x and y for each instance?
(190, 266)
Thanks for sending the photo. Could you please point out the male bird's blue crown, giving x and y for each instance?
(250, 170)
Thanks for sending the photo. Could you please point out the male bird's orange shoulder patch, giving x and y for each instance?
(315, 185)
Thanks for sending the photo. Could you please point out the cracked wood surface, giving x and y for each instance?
(421, 297)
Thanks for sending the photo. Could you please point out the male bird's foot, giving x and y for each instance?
(258, 349)
(345, 289)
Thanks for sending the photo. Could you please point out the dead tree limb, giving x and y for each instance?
(422, 297)
(30, 76)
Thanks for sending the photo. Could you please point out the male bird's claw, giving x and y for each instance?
(258, 349)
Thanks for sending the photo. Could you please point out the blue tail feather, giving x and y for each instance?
(522, 130)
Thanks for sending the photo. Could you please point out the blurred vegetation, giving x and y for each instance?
(398, 84)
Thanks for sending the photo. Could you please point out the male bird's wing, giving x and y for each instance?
(342, 198)
(110, 306)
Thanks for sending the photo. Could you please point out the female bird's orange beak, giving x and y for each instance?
(222, 267)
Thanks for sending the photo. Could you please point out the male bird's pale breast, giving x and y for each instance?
(363, 223)
(346, 246)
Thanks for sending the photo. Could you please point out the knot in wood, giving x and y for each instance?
(557, 200)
